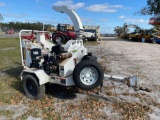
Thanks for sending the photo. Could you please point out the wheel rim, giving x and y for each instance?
(58, 39)
(89, 75)
(31, 87)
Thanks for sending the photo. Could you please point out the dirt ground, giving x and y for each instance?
(117, 101)
(126, 58)
(130, 58)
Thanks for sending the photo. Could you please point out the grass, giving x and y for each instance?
(8, 59)
(10, 84)
(9, 53)
(6, 113)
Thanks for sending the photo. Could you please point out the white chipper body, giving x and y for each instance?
(45, 62)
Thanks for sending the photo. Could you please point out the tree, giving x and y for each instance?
(118, 30)
(26, 25)
(1, 18)
(152, 8)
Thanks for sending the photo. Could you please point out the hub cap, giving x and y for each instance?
(59, 39)
(88, 75)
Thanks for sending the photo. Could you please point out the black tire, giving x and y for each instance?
(139, 40)
(154, 41)
(84, 40)
(53, 38)
(32, 89)
(59, 38)
(88, 80)
(96, 37)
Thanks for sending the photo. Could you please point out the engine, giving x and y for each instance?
(51, 63)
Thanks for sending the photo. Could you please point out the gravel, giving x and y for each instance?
(131, 58)
(128, 58)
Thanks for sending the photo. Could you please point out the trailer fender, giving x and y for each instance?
(40, 75)
(89, 56)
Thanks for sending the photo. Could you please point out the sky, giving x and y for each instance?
(104, 13)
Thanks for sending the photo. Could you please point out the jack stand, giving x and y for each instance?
(100, 89)
(101, 86)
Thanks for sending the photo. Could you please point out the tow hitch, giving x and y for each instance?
(130, 81)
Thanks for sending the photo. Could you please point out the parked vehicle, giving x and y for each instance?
(63, 33)
(91, 33)
(156, 39)
(155, 21)
(10, 32)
